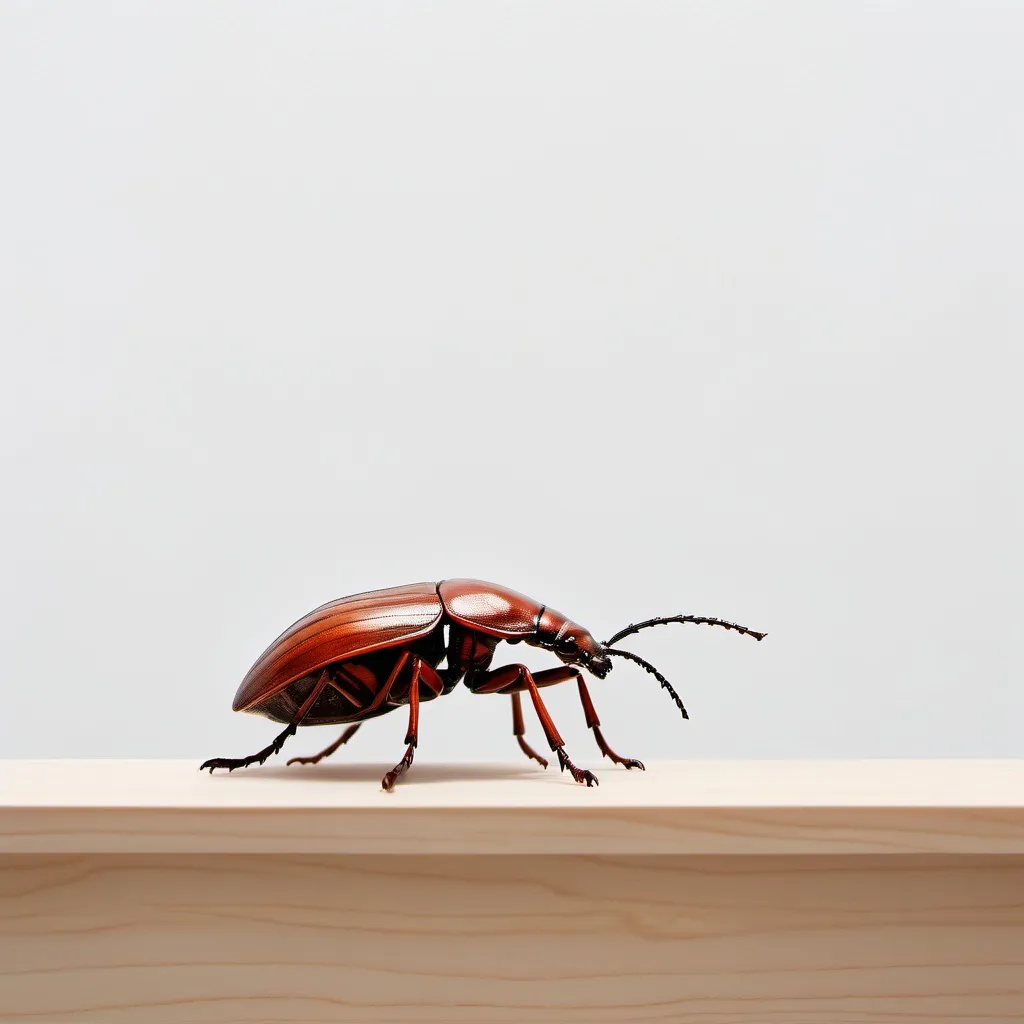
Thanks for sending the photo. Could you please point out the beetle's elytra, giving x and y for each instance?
(366, 655)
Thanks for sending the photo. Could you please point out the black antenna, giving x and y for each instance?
(700, 620)
(654, 672)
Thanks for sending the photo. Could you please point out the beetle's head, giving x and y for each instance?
(571, 643)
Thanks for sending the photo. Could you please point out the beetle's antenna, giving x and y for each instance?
(654, 672)
(701, 620)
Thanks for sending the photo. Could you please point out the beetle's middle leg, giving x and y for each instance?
(421, 670)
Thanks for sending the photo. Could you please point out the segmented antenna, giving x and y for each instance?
(654, 672)
(700, 620)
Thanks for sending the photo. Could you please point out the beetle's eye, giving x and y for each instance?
(567, 645)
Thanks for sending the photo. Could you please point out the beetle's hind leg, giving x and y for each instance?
(231, 763)
(327, 751)
(519, 731)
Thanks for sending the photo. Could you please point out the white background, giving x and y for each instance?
(638, 308)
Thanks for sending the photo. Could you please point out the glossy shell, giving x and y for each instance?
(337, 631)
(490, 608)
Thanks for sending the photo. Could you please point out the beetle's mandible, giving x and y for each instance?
(366, 655)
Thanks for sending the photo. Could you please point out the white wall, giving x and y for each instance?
(637, 308)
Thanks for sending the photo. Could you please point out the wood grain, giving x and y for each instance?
(537, 940)
(715, 807)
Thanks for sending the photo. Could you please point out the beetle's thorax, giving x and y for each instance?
(469, 650)
(496, 611)
(490, 608)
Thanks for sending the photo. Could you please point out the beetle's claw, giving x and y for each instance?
(580, 775)
(531, 753)
(222, 762)
(389, 780)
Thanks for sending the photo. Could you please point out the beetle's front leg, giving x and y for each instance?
(594, 724)
(514, 678)
(558, 675)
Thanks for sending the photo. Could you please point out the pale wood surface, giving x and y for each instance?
(146, 892)
(162, 939)
(684, 807)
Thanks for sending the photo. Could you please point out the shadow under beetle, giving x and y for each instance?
(368, 654)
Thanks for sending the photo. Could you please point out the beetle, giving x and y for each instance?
(363, 656)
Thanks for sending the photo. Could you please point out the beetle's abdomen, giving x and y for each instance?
(490, 608)
(353, 689)
(339, 631)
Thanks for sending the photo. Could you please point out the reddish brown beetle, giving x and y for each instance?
(365, 655)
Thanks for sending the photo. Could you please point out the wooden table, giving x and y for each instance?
(774, 892)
